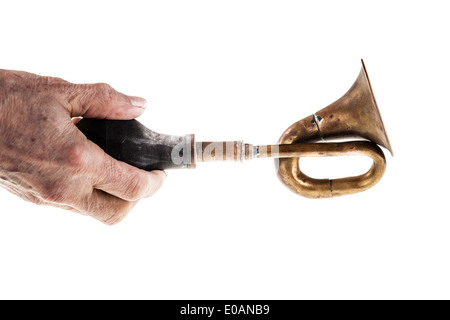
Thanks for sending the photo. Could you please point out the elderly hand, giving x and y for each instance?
(45, 159)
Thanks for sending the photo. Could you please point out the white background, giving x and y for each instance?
(229, 70)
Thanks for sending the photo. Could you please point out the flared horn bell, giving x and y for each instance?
(354, 115)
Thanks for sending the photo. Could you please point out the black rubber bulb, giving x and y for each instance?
(133, 143)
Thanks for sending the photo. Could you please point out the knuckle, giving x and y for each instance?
(104, 91)
(135, 188)
(74, 156)
(108, 211)
(86, 95)
(115, 219)
(132, 185)
(112, 216)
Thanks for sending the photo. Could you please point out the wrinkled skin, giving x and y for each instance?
(45, 159)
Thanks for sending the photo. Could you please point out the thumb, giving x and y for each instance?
(101, 101)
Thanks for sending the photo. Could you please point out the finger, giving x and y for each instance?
(101, 101)
(98, 100)
(126, 182)
(106, 208)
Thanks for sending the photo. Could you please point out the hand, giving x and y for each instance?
(45, 159)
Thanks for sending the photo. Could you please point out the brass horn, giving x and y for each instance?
(355, 115)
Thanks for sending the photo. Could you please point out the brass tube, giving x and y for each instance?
(309, 187)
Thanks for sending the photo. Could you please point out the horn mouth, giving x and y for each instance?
(386, 143)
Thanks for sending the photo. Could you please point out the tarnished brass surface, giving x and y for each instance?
(326, 188)
(355, 115)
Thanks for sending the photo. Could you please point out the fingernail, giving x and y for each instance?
(138, 101)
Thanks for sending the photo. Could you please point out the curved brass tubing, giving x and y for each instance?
(290, 173)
